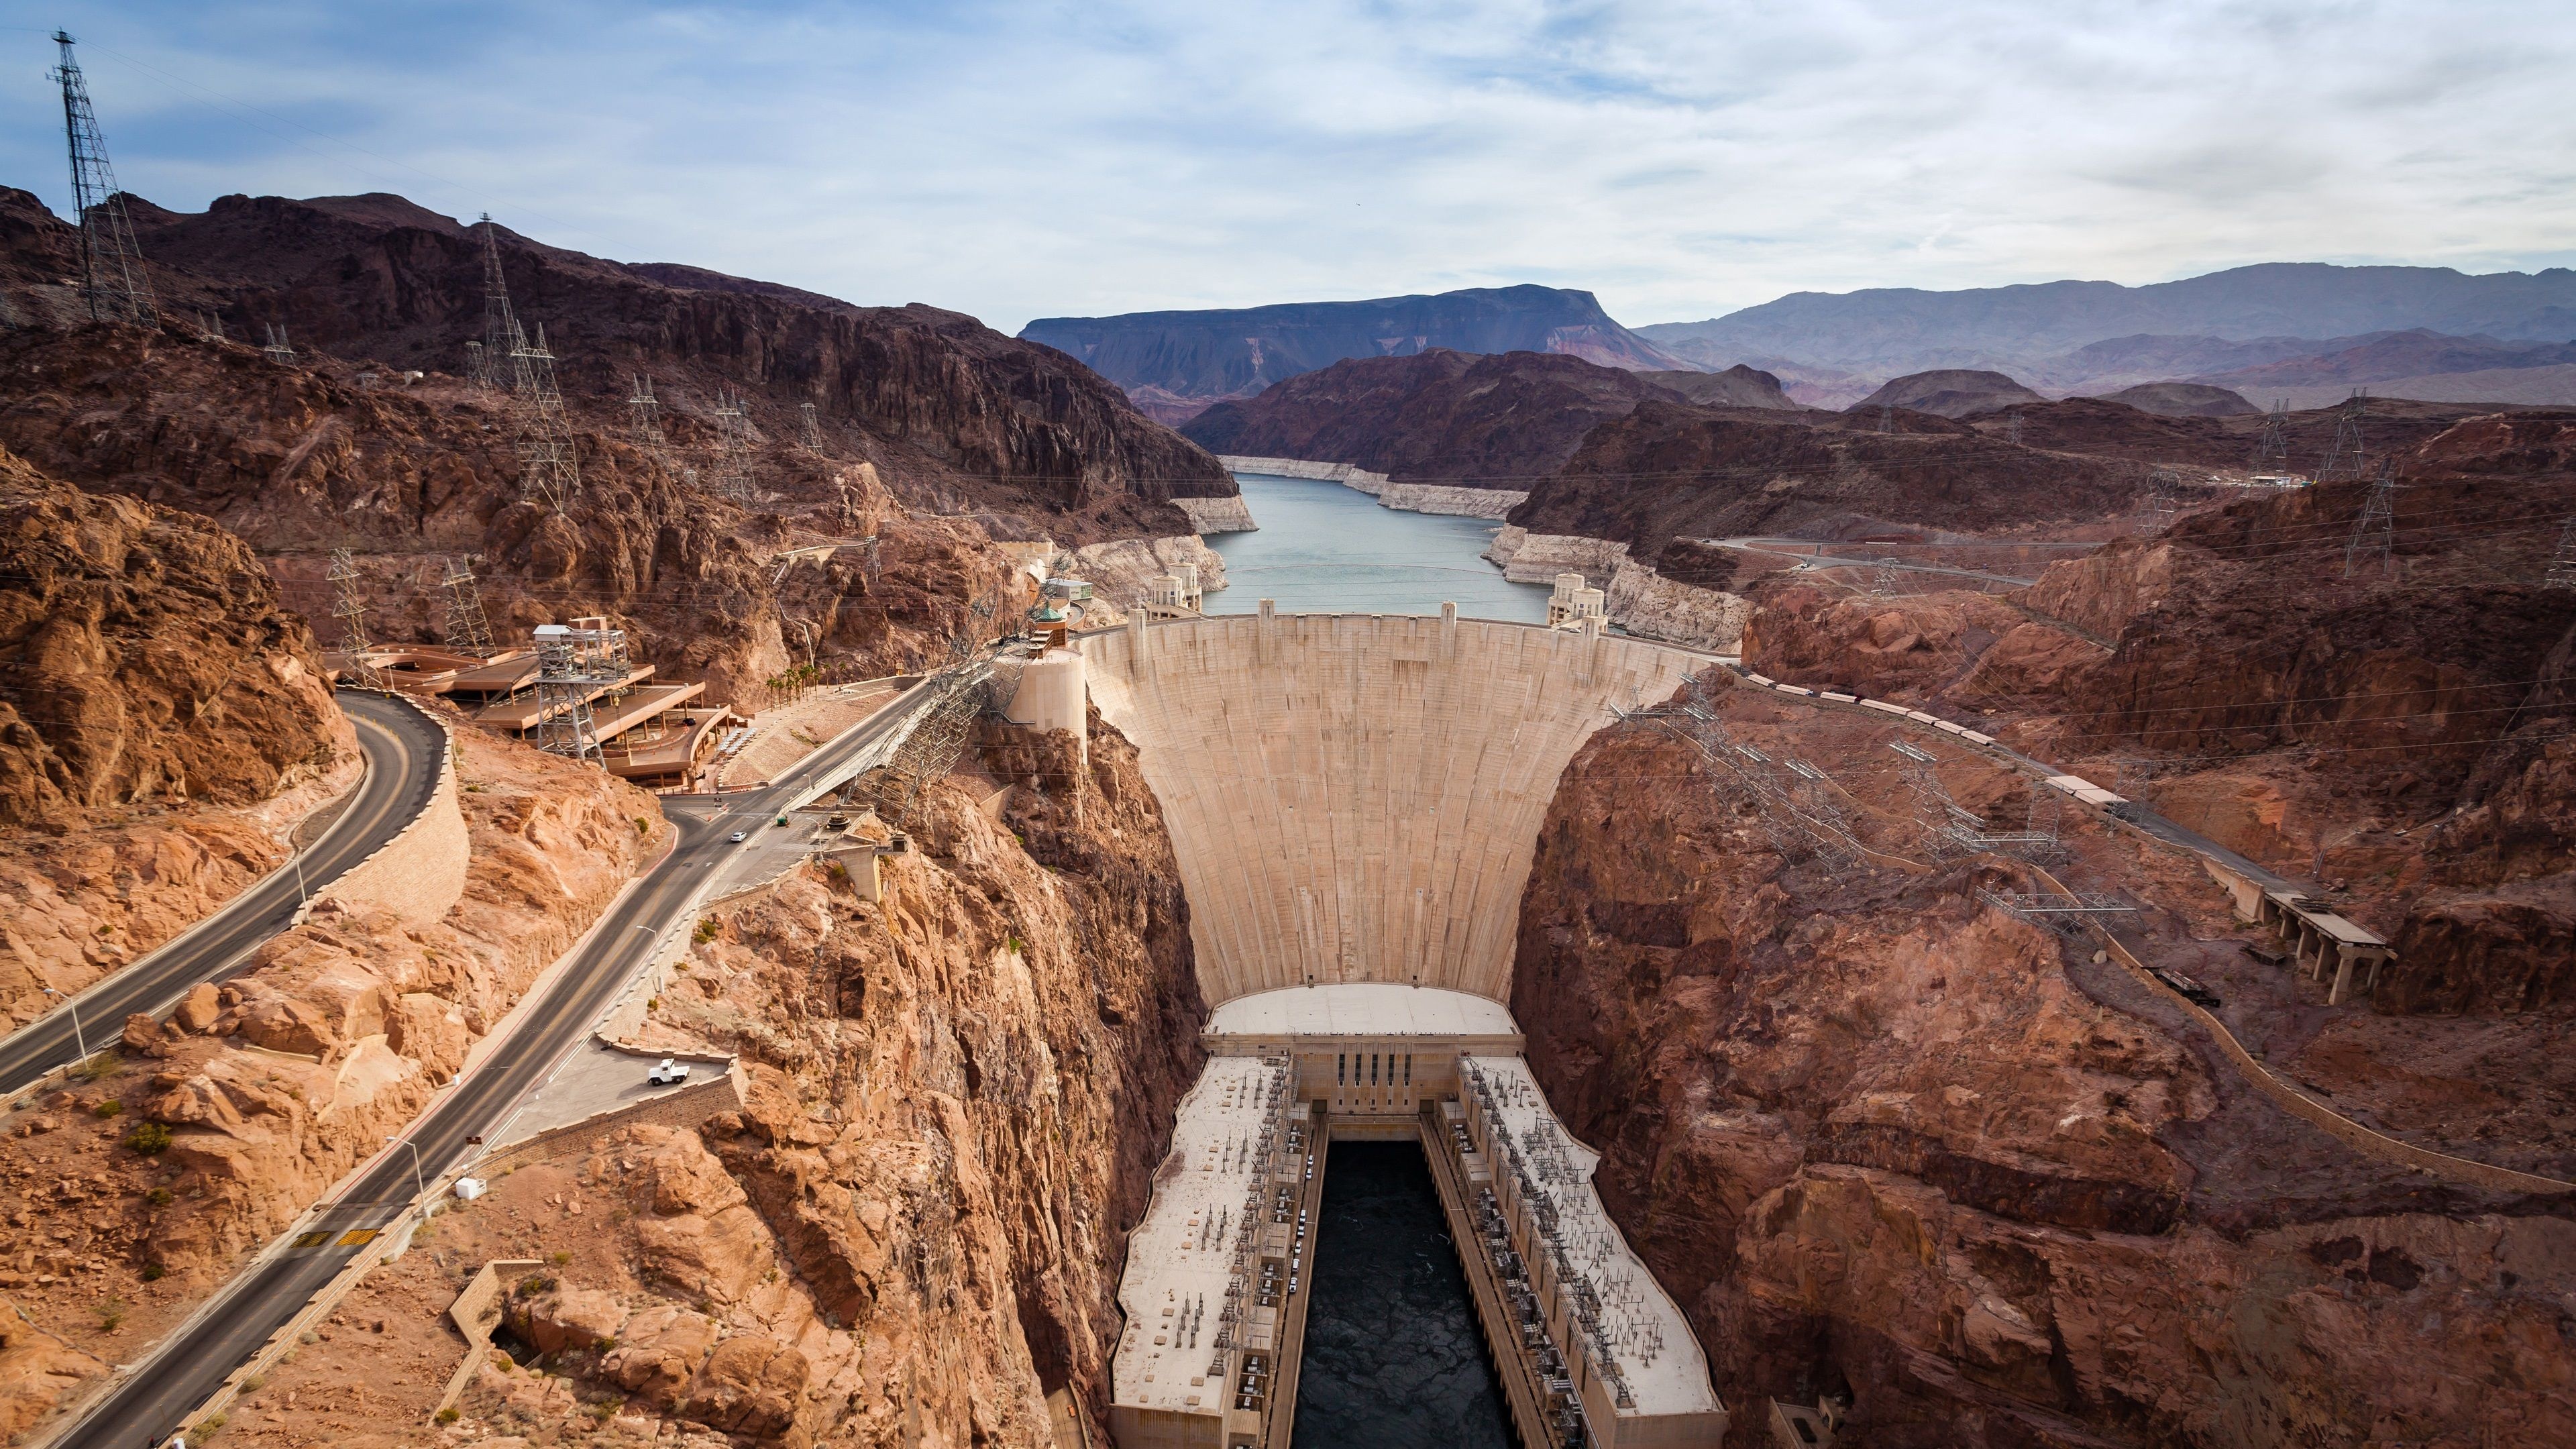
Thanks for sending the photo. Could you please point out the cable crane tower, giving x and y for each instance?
(113, 280)
(466, 626)
(2344, 458)
(351, 610)
(2376, 532)
(2272, 450)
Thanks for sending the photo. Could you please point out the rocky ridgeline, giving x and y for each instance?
(938, 436)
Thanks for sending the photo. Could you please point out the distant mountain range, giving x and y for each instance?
(1902, 329)
(1175, 364)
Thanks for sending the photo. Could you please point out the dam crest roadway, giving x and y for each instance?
(1355, 801)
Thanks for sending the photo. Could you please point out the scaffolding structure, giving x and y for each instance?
(974, 627)
(1950, 829)
(2272, 449)
(466, 627)
(730, 475)
(2374, 535)
(2344, 456)
(929, 750)
(113, 280)
(575, 662)
(350, 608)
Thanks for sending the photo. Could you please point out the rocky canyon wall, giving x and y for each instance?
(1881, 1139)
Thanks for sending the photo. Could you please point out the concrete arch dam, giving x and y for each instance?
(1355, 801)
(1357, 798)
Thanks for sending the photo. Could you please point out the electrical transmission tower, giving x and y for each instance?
(1887, 417)
(478, 365)
(549, 464)
(2562, 564)
(466, 627)
(2344, 460)
(2376, 532)
(1744, 774)
(501, 336)
(813, 429)
(730, 475)
(575, 663)
(2164, 490)
(2012, 429)
(2272, 450)
(646, 410)
(112, 277)
(351, 610)
(277, 345)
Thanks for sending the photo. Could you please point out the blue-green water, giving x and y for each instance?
(1323, 548)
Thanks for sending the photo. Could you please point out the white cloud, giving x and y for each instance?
(1674, 155)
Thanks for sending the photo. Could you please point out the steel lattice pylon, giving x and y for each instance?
(113, 280)
(730, 475)
(646, 411)
(278, 347)
(2344, 457)
(549, 463)
(1950, 829)
(466, 627)
(2272, 449)
(812, 434)
(351, 610)
(2562, 564)
(2375, 534)
(1797, 828)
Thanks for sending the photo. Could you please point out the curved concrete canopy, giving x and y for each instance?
(1362, 1008)
(1357, 797)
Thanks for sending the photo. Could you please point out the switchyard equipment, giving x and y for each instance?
(1797, 829)
(2067, 915)
(113, 280)
(1950, 829)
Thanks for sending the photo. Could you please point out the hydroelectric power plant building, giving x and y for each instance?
(1355, 802)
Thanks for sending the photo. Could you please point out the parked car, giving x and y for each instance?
(739, 836)
(667, 1073)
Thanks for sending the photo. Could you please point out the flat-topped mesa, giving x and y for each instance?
(1357, 797)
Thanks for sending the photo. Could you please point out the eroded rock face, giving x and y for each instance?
(1873, 1136)
(958, 1097)
(150, 660)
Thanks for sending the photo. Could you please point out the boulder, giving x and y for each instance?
(752, 1384)
(659, 1352)
(198, 1009)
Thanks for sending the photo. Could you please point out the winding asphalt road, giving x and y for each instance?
(185, 1369)
(402, 746)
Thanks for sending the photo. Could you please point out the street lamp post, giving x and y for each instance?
(418, 1187)
(77, 1039)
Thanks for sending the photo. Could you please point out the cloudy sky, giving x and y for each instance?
(1678, 157)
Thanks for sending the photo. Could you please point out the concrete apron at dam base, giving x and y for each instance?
(1355, 803)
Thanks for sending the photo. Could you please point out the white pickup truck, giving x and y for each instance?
(667, 1072)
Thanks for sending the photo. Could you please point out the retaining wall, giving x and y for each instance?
(420, 873)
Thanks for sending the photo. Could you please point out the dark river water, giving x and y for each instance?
(1323, 548)
(1394, 1359)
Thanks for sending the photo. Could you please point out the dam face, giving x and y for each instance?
(1355, 801)
(1354, 797)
